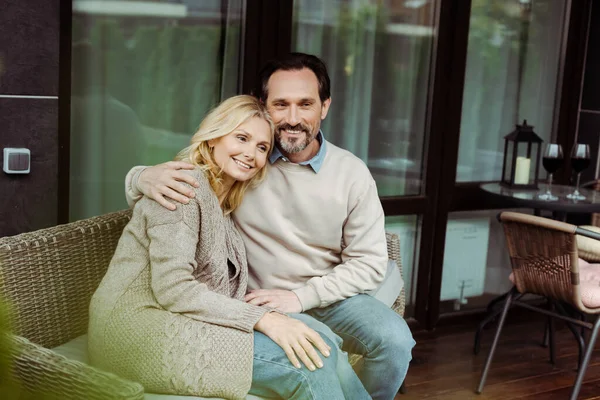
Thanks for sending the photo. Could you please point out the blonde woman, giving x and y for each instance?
(170, 312)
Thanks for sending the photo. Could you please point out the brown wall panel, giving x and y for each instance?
(29, 37)
(28, 202)
(29, 67)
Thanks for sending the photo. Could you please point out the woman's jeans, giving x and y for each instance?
(274, 376)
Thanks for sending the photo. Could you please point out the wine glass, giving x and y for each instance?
(580, 160)
(552, 161)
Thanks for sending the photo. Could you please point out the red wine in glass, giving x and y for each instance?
(580, 160)
(579, 164)
(552, 161)
(551, 165)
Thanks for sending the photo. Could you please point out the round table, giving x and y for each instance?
(529, 198)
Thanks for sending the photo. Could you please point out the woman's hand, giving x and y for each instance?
(295, 338)
(165, 180)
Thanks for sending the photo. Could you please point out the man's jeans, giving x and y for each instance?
(274, 376)
(370, 328)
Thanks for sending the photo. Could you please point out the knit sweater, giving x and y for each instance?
(321, 235)
(169, 313)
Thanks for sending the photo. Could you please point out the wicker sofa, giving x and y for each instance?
(48, 277)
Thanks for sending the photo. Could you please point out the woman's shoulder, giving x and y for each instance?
(200, 175)
(155, 214)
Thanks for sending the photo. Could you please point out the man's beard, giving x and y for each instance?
(294, 145)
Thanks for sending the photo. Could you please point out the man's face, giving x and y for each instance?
(296, 109)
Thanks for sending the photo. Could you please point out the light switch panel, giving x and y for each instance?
(16, 161)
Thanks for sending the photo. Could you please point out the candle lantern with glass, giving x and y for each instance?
(522, 153)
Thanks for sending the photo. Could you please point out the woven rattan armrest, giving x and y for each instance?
(43, 374)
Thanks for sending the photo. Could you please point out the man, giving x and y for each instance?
(314, 229)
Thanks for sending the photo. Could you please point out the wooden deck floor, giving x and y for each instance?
(444, 366)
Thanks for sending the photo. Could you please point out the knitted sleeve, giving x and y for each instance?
(132, 193)
(174, 239)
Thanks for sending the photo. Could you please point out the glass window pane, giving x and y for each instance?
(476, 262)
(505, 38)
(407, 227)
(143, 76)
(378, 55)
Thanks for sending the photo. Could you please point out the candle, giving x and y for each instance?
(522, 170)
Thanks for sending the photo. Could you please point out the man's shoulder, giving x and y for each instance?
(346, 162)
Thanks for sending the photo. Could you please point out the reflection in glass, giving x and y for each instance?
(476, 264)
(506, 37)
(552, 161)
(143, 76)
(378, 55)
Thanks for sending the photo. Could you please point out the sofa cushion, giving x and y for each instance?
(389, 290)
(76, 349)
(589, 283)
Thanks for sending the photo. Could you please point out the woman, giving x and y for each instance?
(170, 312)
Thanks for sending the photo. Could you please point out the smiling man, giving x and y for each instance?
(314, 229)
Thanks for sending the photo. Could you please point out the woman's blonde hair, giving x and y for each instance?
(221, 121)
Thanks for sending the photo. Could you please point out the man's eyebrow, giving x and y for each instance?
(310, 100)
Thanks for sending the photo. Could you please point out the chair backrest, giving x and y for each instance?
(543, 254)
(48, 276)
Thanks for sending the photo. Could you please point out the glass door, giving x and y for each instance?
(143, 76)
(512, 74)
(379, 56)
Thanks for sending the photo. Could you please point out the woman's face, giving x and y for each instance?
(243, 152)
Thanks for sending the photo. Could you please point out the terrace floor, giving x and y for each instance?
(444, 366)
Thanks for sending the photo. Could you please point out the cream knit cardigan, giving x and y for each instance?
(169, 313)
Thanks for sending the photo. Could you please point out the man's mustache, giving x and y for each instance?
(297, 127)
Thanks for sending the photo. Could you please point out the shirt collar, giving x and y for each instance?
(315, 163)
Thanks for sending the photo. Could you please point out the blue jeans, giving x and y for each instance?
(370, 328)
(274, 376)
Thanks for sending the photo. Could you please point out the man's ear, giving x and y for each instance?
(325, 108)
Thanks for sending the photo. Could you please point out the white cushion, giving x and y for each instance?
(588, 248)
(76, 349)
(389, 290)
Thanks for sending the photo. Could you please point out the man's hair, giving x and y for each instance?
(295, 62)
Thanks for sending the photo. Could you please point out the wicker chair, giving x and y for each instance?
(48, 277)
(544, 261)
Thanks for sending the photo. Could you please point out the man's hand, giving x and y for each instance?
(283, 300)
(295, 338)
(165, 180)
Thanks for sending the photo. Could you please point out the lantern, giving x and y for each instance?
(522, 155)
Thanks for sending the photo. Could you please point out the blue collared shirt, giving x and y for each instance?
(315, 162)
